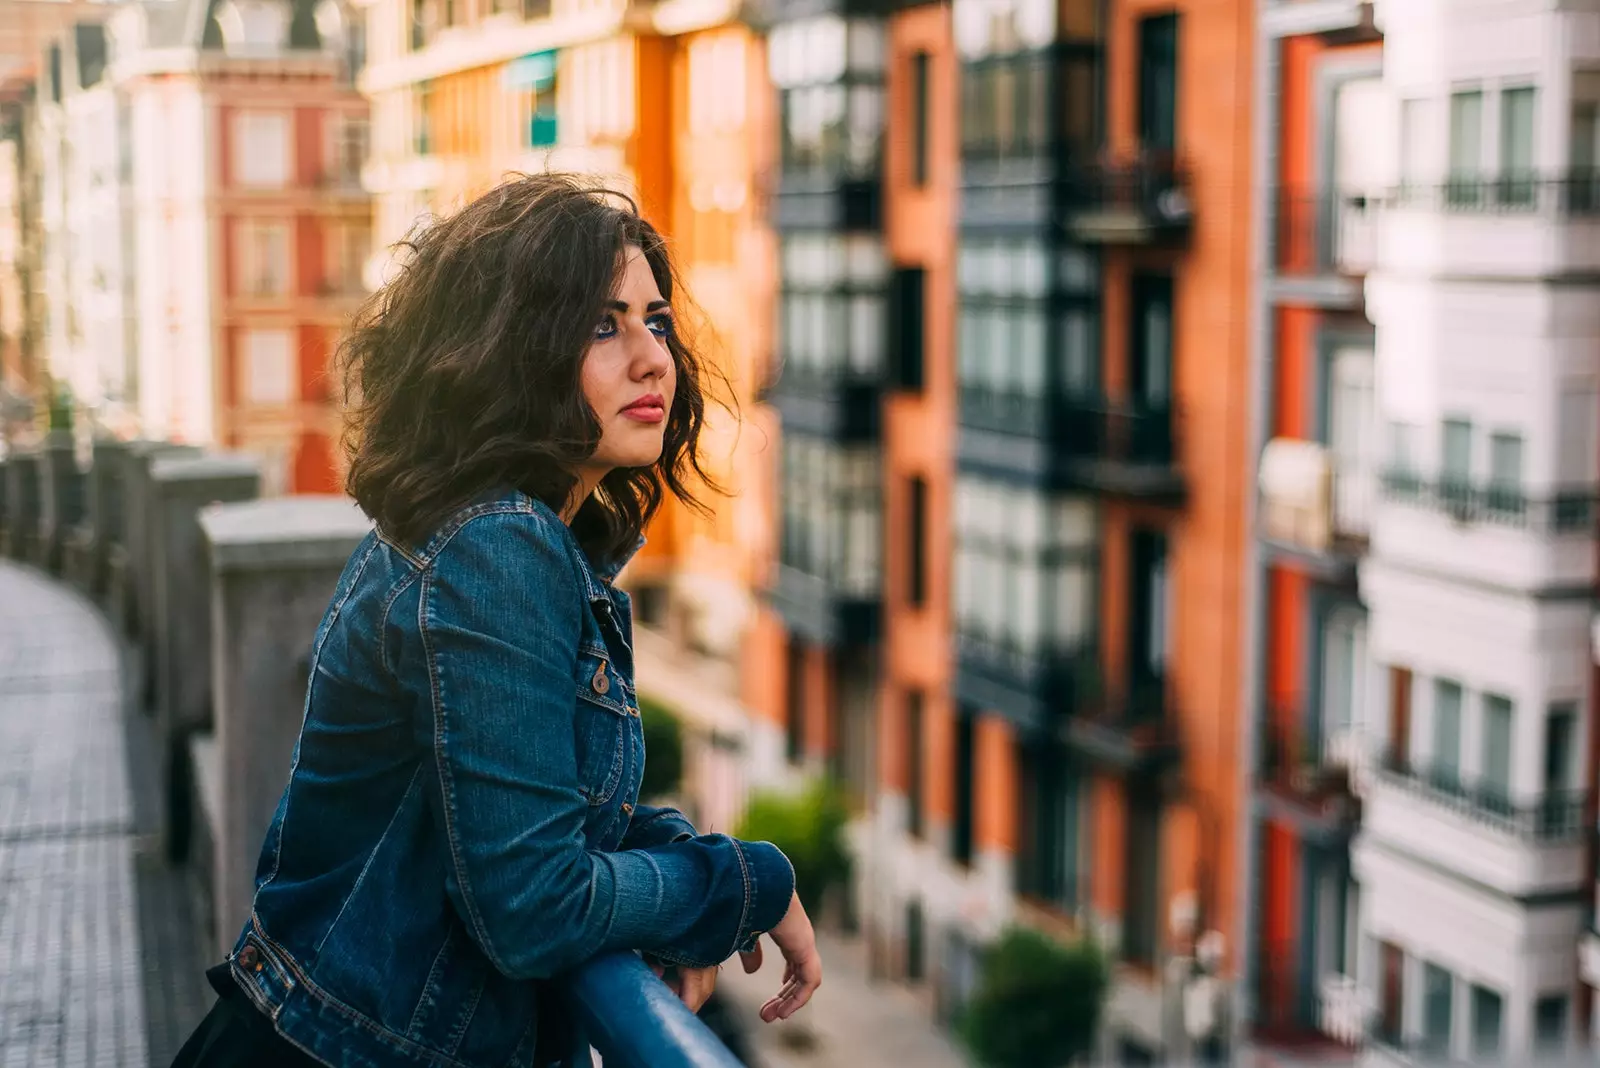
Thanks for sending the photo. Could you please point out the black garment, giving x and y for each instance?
(235, 1034)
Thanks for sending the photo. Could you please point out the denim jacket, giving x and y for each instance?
(460, 825)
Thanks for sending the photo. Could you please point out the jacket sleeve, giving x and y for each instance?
(653, 826)
(500, 618)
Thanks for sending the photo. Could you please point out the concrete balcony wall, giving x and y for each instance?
(1510, 243)
(1408, 817)
(1426, 537)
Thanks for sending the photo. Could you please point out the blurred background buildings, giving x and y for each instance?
(1163, 449)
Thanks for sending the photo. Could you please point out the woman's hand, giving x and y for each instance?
(802, 972)
(693, 985)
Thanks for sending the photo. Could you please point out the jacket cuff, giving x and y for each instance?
(769, 889)
(653, 827)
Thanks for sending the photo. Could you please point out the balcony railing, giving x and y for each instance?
(1131, 728)
(1573, 195)
(1130, 201)
(634, 1021)
(1028, 685)
(1325, 233)
(1557, 816)
(1123, 432)
(1312, 772)
(1563, 511)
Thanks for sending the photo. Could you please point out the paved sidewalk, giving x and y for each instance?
(70, 989)
(852, 1022)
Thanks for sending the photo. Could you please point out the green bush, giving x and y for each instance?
(1038, 1002)
(663, 750)
(809, 827)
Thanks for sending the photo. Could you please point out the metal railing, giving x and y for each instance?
(1153, 185)
(1556, 816)
(1128, 432)
(1300, 764)
(634, 1021)
(1575, 194)
(1325, 232)
(1564, 511)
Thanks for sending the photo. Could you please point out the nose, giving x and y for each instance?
(649, 356)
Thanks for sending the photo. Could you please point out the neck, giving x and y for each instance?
(582, 490)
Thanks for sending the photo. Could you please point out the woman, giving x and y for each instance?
(460, 826)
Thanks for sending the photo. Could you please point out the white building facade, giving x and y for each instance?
(1472, 854)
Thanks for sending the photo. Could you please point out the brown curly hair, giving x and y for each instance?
(461, 375)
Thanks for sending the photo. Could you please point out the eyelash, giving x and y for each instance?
(660, 324)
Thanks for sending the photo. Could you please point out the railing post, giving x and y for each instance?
(274, 565)
(60, 498)
(22, 502)
(130, 570)
(89, 543)
(179, 487)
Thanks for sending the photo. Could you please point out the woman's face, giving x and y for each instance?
(628, 374)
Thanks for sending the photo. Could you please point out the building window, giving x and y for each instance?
(794, 705)
(1494, 780)
(535, 9)
(419, 24)
(1560, 734)
(1003, 327)
(964, 752)
(349, 139)
(1518, 179)
(422, 104)
(262, 258)
(1141, 877)
(1391, 994)
(1438, 991)
(1150, 370)
(832, 318)
(1550, 1023)
(1048, 802)
(916, 942)
(831, 514)
(917, 542)
(1149, 616)
(1026, 570)
(1158, 83)
(717, 84)
(1009, 107)
(914, 763)
(269, 371)
(1504, 497)
(261, 149)
(1446, 762)
(1400, 719)
(829, 74)
(346, 245)
(1487, 1023)
(921, 67)
(906, 296)
(1455, 458)
(1466, 149)
(533, 79)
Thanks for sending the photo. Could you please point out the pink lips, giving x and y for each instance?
(651, 408)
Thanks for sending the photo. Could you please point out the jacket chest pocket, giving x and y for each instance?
(601, 726)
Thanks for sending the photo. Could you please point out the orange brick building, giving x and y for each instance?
(1031, 220)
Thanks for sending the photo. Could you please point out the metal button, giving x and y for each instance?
(633, 711)
(250, 957)
(601, 683)
(627, 808)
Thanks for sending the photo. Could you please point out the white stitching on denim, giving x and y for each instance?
(365, 867)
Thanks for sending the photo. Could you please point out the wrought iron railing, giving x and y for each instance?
(1555, 816)
(634, 1021)
(1560, 511)
(1574, 194)
(1154, 185)
(1325, 232)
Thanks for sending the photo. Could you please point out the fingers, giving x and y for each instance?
(751, 960)
(698, 983)
(801, 980)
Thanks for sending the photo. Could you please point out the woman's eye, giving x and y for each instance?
(607, 327)
(660, 325)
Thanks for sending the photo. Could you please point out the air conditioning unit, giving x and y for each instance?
(1296, 484)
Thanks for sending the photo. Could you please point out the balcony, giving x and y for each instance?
(1336, 21)
(842, 406)
(1132, 732)
(1032, 688)
(1084, 442)
(1306, 781)
(1315, 509)
(1323, 243)
(1519, 846)
(1144, 201)
(827, 587)
(1521, 226)
(1318, 1018)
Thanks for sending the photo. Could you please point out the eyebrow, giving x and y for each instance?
(654, 305)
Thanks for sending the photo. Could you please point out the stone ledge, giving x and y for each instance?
(283, 532)
(203, 467)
